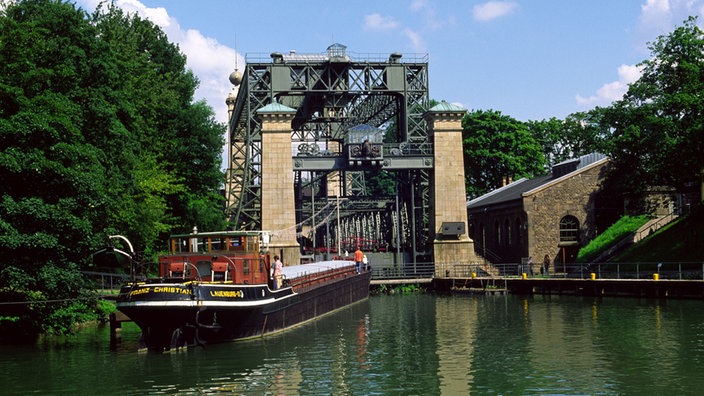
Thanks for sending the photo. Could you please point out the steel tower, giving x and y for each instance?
(340, 100)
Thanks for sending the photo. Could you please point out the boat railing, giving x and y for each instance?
(310, 278)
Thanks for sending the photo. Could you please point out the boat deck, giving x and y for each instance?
(297, 271)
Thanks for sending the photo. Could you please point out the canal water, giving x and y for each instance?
(417, 344)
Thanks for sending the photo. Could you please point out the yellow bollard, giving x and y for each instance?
(656, 276)
(474, 275)
(524, 276)
(592, 276)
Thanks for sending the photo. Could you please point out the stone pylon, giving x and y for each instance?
(448, 225)
(278, 200)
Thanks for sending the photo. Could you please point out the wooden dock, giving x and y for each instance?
(116, 320)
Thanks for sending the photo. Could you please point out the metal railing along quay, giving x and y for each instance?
(641, 279)
(638, 270)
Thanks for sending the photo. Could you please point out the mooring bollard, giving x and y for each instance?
(656, 276)
(524, 276)
(592, 276)
(474, 275)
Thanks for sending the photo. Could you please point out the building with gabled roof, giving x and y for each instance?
(552, 215)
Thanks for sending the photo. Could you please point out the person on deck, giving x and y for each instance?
(278, 265)
(358, 258)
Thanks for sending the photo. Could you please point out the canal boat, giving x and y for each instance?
(217, 287)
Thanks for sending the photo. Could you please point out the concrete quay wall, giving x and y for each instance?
(646, 288)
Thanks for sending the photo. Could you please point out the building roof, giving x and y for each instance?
(525, 187)
(275, 107)
(444, 106)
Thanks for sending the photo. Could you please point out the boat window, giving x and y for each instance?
(245, 267)
(180, 245)
(218, 244)
(203, 267)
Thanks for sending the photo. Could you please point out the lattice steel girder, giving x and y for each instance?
(342, 164)
(331, 93)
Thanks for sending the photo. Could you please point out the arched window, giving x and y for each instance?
(569, 229)
(497, 233)
(507, 232)
(517, 229)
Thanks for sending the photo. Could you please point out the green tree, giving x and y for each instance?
(51, 176)
(497, 148)
(657, 130)
(181, 138)
(99, 134)
(578, 134)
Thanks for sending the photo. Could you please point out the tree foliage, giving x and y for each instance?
(578, 134)
(657, 130)
(497, 148)
(99, 134)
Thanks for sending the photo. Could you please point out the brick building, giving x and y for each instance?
(552, 215)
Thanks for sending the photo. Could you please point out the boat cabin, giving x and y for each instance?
(227, 256)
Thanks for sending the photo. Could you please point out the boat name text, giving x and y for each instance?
(158, 289)
(227, 293)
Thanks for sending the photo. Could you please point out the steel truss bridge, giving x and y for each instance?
(340, 99)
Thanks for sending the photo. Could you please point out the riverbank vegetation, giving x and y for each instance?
(623, 227)
(680, 241)
(405, 288)
(99, 135)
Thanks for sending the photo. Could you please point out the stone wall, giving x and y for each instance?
(278, 206)
(547, 206)
(499, 233)
(511, 231)
(448, 197)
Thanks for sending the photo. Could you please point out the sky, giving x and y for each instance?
(531, 60)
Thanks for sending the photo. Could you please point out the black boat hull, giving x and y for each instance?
(192, 313)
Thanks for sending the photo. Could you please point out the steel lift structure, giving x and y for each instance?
(358, 124)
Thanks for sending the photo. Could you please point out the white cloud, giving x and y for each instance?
(378, 22)
(416, 40)
(417, 5)
(614, 90)
(659, 17)
(427, 12)
(656, 16)
(493, 9)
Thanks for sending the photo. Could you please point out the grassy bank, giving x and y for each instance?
(679, 241)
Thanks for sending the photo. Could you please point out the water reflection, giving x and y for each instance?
(409, 344)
